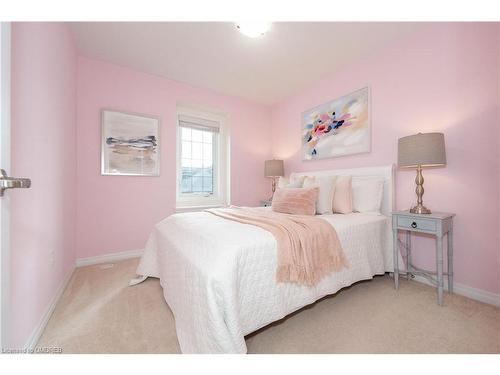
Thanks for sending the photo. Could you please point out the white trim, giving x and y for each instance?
(5, 101)
(466, 291)
(109, 258)
(40, 327)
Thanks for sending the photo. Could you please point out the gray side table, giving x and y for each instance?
(437, 224)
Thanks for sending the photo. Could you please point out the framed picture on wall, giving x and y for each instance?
(337, 128)
(130, 144)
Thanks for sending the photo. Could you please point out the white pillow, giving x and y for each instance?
(367, 194)
(326, 186)
(292, 182)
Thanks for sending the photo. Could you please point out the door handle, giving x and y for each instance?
(7, 182)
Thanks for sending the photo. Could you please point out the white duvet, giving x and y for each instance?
(218, 276)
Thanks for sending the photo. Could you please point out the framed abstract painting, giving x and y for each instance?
(337, 128)
(130, 144)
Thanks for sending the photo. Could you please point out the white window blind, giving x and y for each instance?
(198, 123)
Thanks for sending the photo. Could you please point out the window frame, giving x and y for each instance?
(221, 183)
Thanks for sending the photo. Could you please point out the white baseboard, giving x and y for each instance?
(37, 332)
(109, 258)
(466, 291)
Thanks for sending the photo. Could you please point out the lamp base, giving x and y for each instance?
(419, 180)
(273, 187)
(420, 209)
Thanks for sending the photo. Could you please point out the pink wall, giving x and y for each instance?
(43, 149)
(442, 79)
(498, 150)
(116, 213)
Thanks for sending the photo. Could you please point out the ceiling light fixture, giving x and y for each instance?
(253, 29)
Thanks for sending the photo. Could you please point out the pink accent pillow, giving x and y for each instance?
(298, 201)
(342, 198)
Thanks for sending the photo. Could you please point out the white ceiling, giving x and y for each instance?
(214, 55)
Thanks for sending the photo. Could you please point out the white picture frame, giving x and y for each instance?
(130, 144)
(337, 128)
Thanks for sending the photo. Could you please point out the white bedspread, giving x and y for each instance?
(218, 276)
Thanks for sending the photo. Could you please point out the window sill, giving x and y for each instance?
(198, 207)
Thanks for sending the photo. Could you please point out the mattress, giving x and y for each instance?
(218, 276)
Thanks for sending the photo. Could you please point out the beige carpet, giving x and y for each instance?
(99, 313)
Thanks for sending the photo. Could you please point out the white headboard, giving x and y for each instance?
(386, 172)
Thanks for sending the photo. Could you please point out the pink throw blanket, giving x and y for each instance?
(308, 246)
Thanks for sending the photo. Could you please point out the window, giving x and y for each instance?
(202, 162)
(198, 152)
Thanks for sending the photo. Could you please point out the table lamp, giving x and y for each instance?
(419, 151)
(273, 169)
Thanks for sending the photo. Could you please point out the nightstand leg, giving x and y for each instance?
(439, 261)
(408, 254)
(395, 255)
(450, 260)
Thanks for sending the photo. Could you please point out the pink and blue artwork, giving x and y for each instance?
(337, 128)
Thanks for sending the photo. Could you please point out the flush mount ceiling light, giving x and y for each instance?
(253, 29)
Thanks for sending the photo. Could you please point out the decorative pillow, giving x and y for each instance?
(326, 185)
(299, 201)
(292, 182)
(367, 194)
(282, 182)
(342, 197)
(294, 179)
(309, 181)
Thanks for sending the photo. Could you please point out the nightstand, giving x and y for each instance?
(265, 203)
(437, 224)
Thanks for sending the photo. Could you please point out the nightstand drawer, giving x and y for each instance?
(417, 224)
(265, 203)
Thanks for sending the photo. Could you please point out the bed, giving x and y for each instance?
(218, 276)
